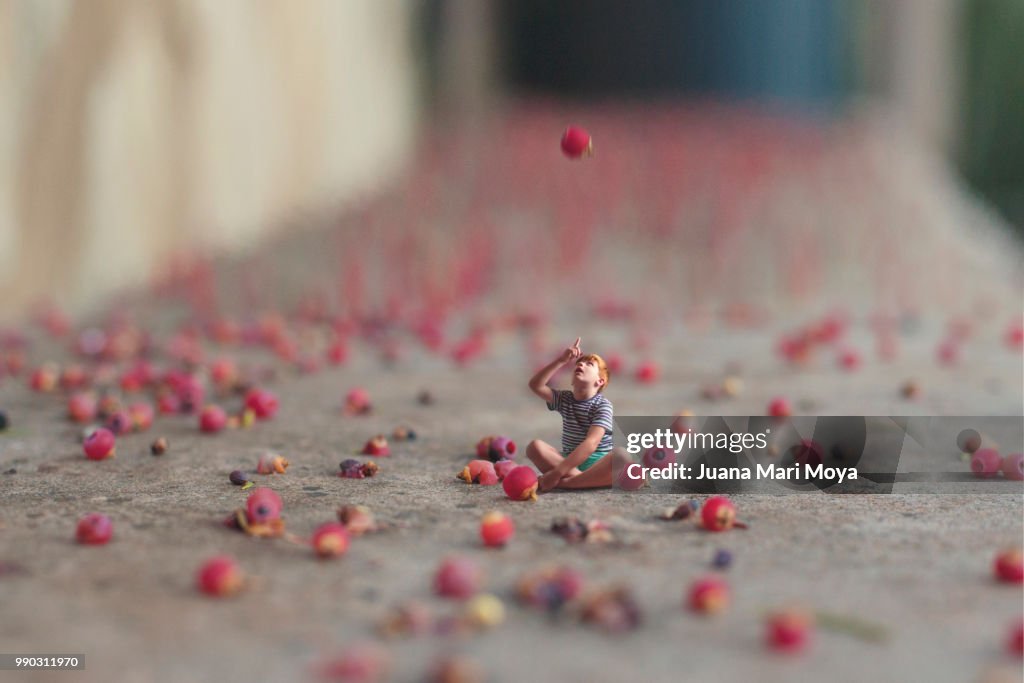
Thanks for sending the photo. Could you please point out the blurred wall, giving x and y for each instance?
(131, 129)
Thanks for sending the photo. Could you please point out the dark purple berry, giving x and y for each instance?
(238, 478)
(722, 559)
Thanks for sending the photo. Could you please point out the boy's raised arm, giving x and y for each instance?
(539, 382)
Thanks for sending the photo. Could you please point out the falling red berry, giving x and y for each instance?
(1013, 466)
(985, 463)
(1009, 566)
(779, 407)
(576, 143)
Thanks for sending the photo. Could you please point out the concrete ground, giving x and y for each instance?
(918, 565)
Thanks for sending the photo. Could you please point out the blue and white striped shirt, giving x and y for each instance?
(579, 416)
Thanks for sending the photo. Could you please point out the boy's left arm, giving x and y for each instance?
(586, 449)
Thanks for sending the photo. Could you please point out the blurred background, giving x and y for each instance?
(880, 139)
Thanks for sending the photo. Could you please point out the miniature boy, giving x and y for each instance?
(584, 460)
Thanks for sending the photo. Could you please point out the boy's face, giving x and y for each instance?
(586, 373)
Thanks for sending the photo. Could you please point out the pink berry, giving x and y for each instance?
(457, 577)
(948, 352)
(1009, 566)
(501, 447)
(1013, 466)
(521, 484)
(357, 402)
(496, 529)
(337, 353)
(94, 529)
(658, 458)
(262, 403)
(141, 415)
(212, 419)
(708, 595)
(985, 463)
(120, 423)
(503, 467)
(849, 360)
(576, 143)
(718, 513)
(82, 407)
(220, 577)
(263, 505)
(330, 540)
(788, 630)
(99, 445)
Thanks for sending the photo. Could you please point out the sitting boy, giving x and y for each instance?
(584, 460)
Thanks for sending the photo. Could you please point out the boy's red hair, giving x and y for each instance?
(602, 368)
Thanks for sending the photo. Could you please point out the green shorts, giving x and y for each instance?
(589, 462)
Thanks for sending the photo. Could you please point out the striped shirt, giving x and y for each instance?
(579, 416)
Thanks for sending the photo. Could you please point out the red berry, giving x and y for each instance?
(220, 577)
(168, 404)
(1015, 336)
(457, 577)
(1013, 466)
(1015, 643)
(709, 595)
(1009, 566)
(718, 513)
(779, 407)
(224, 373)
(789, 630)
(99, 445)
(94, 529)
(261, 402)
(120, 423)
(330, 540)
(45, 378)
(337, 353)
(479, 472)
(263, 505)
(496, 529)
(985, 463)
(82, 407)
(378, 446)
(576, 143)
(521, 484)
(212, 419)
(647, 372)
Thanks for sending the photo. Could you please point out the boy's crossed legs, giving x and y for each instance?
(546, 457)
